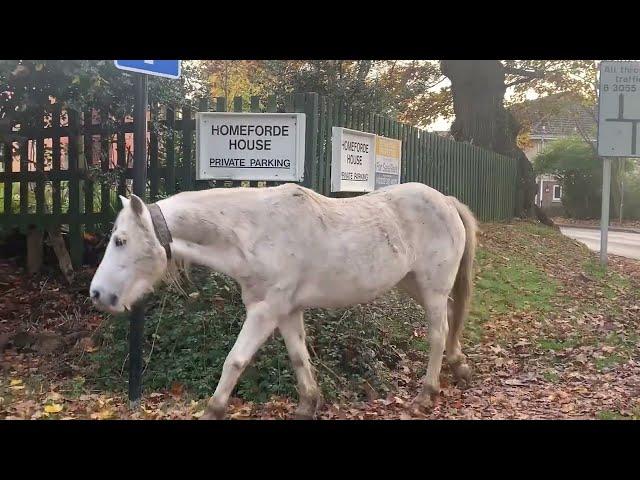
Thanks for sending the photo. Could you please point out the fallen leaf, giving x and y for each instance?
(53, 408)
(518, 383)
(54, 396)
(104, 414)
(177, 389)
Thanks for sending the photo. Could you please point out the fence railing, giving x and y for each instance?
(69, 169)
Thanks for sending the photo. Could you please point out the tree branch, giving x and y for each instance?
(442, 78)
(584, 136)
(523, 73)
(521, 80)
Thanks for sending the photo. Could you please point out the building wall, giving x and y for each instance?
(550, 205)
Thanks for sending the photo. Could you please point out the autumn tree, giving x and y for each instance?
(478, 90)
(385, 87)
(233, 78)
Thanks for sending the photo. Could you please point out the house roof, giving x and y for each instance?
(443, 133)
(557, 116)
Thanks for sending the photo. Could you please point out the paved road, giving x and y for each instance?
(620, 243)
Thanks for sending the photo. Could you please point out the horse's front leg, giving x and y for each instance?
(292, 330)
(260, 323)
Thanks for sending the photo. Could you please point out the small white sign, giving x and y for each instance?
(352, 161)
(388, 157)
(619, 109)
(250, 146)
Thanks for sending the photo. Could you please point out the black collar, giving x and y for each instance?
(160, 226)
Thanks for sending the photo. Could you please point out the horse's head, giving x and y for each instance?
(133, 262)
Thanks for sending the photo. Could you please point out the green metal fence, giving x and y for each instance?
(43, 191)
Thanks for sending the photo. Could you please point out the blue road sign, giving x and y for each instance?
(160, 68)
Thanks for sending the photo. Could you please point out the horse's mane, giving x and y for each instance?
(177, 271)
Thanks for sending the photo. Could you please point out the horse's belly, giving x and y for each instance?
(344, 289)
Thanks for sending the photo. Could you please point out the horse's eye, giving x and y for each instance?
(119, 242)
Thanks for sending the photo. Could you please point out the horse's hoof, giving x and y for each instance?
(420, 408)
(422, 404)
(462, 375)
(303, 416)
(308, 407)
(213, 414)
(425, 400)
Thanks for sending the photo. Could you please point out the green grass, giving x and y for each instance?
(611, 415)
(507, 286)
(536, 229)
(556, 345)
(609, 361)
(610, 282)
(551, 376)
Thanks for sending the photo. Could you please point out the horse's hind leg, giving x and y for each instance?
(435, 304)
(455, 358)
(292, 330)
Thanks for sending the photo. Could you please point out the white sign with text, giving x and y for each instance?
(352, 160)
(250, 146)
(619, 109)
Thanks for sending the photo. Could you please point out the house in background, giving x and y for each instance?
(443, 134)
(552, 118)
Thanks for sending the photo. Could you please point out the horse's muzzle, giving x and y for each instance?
(105, 301)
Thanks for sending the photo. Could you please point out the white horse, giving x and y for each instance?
(290, 248)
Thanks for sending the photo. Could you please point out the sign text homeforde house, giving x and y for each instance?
(245, 146)
(363, 162)
(352, 161)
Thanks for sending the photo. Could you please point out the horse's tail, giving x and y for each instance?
(463, 286)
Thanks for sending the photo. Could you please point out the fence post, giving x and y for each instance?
(170, 149)
(187, 131)
(311, 141)
(8, 184)
(154, 161)
(75, 232)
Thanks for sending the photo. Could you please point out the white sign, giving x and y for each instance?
(352, 161)
(250, 146)
(388, 156)
(619, 109)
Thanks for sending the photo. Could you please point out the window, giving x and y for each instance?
(557, 193)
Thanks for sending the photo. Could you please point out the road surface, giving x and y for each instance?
(620, 243)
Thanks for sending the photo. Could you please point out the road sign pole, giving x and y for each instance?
(140, 136)
(136, 325)
(604, 217)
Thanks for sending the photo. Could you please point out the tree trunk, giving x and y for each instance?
(64, 260)
(478, 88)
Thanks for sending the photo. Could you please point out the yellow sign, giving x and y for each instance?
(388, 157)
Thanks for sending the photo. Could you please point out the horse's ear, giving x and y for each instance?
(124, 200)
(137, 204)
